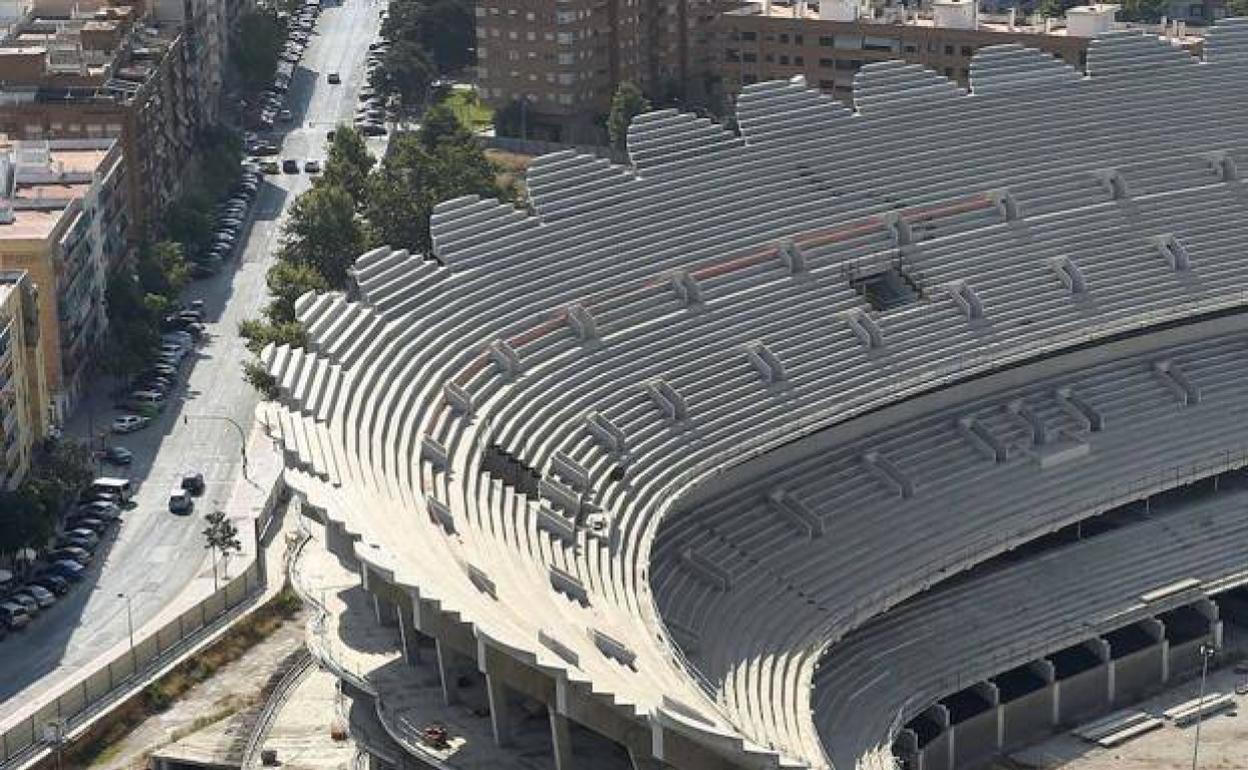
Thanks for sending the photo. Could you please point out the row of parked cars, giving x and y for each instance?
(271, 106)
(150, 390)
(231, 215)
(99, 510)
(370, 116)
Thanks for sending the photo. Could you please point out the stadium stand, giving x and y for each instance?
(688, 460)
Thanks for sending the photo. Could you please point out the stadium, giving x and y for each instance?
(888, 437)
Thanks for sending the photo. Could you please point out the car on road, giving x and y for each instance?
(180, 501)
(70, 553)
(13, 615)
(270, 167)
(66, 569)
(128, 423)
(30, 603)
(100, 509)
(41, 595)
(193, 482)
(118, 455)
(290, 166)
(54, 583)
(312, 166)
(334, 78)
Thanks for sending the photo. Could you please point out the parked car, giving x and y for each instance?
(14, 616)
(98, 526)
(270, 167)
(118, 455)
(312, 166)
(285, 116)
(28, 602)
(100, 509)
(101, 495)
(66, 569)
(84, 533)
(193, 482)
(70, 553)
(128, 423)
(290, 166)
(52, 582)
(43, 596)
(75, 541)
(334, 78)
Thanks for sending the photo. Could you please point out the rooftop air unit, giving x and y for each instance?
(838, 10)
(955, 14)
(1090, 20)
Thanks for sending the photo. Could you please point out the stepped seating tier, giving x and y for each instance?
(650, 327)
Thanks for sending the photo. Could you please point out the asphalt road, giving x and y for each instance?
(157, 558)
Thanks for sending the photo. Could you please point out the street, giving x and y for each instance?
(156, 557)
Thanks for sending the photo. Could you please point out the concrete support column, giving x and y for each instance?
(906, 744)
(446, 672)
(1165, 650)
(337, 543)
(500, 709)
(1100, 646)
(1045, 669)
(408, 633)
(1209, 608)
(561, 740)
(992, 695)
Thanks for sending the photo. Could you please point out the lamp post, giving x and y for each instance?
(242, 435)
(134, 661)
(1207, 651)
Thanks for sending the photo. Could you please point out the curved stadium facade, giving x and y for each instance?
(894, 435)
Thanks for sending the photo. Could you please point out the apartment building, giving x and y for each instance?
(62, 222)
(563, 60)
(23, 393)
(828, 41)
(96, 71)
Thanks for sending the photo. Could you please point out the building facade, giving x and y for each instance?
(23, 392)
(829, 41)
(62, 221)
(107, 73)
(562, 62)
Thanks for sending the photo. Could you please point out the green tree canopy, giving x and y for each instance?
(441, 124)
(1144, 11)
(627, 104)
(348, 162)
(322, 231)
(260, 39)
(445, 28)
(1237, 8)
(288, 281)
(406, 70)
(414, 178)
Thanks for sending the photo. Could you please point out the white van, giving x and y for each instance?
(117, 486)
(144, 400)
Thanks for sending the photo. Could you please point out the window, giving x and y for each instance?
(949, 72)
(530, 36)
(749, 58)
(799, 61)
(948, 50)
(797, 40)
(967, 51)
(513, 56)
(911, 48)
(769, 58)
(731, 54)
(511, 35)
(784, 37)
(827, 41)
(750, 36)
(827, 63)
(827, 85)
(530, 16)
(783, 59)
(567, 78)
(566, 58)
(849, 65)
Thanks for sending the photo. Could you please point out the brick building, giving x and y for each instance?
(829, 41)
(23, 394)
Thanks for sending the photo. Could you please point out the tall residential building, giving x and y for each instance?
(23, 392)
(564, 60)
(62, 222)
(98, 71)
(828, 41)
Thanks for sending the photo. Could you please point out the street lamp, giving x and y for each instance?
(1206, 651)
(134, 661)
(242, 435)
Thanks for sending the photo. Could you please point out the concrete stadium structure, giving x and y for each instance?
(899, 435)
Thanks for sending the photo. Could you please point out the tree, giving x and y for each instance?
(162, 269)
(1237, 8)
(510, 120)
(288, 281)
(322, 231)
(413, 179)
(445, 28)
(260, 39)
(348, 162)
(257, 377)
(627, 104)
(221, 537)
(1144, 11)
(24, 522)
(441, 124)
(407, 70)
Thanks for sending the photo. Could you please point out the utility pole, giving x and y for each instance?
(1207, 651)
(134, 661)
(242, 435)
